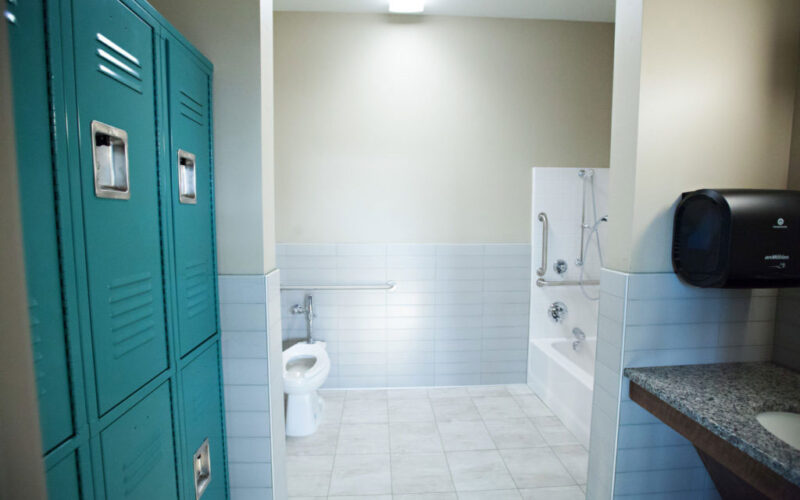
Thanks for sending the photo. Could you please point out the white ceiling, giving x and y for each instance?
(572, 10)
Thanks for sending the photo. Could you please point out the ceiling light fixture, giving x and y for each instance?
(406, 6)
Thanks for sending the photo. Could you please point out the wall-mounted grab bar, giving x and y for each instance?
(541, 282)
(389, 286)
(543, 219)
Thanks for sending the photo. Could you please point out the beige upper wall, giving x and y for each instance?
(237, 38)
(715, 105)
(794, 162)
(425, 129)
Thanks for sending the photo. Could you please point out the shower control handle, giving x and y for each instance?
(557, 312)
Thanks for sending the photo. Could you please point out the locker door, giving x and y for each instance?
(40, 234)
(63, 479)
(202, 421)
(139, 451)
(114, 66)
(191, 198)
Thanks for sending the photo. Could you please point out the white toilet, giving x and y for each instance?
(305, 368)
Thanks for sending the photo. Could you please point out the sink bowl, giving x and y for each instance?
(783, 425)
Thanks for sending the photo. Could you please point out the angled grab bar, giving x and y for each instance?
(543, 269)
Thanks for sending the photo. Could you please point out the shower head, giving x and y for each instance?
(585, 172)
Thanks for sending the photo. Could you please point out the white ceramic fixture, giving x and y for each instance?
(305, 368)
(784, 425)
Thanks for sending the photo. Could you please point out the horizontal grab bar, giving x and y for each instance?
(541, 282)
(389, 285)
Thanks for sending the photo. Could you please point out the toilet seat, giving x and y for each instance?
(301, 351)
(305, 367)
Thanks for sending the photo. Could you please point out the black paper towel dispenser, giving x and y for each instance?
(738, 238)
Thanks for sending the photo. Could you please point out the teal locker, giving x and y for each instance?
(115, 78)
(190, 174)
(202, 422)
(63, 479)
(139, 453)
(37, 195)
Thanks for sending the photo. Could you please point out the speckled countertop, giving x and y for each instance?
(725, 399)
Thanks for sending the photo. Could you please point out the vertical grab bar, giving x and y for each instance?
(543, 269)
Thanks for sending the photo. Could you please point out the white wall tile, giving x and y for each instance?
(245, 365)
(652, 320)
(448, 307)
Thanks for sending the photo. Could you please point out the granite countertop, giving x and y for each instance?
(725, 399)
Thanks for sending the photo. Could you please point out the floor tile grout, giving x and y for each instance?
(436, 421)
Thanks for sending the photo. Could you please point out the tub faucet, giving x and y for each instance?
(579, 338)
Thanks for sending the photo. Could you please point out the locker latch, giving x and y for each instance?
(202, 469)
(187, 180)
(110, 157)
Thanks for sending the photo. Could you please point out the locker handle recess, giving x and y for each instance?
(187, 179)
(202, 469)
(110, 158)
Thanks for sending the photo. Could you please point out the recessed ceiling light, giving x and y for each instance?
(406, 6)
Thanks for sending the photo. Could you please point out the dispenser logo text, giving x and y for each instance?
(777, 260)
(780, 224)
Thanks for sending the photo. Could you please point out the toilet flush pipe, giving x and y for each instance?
(309, 310)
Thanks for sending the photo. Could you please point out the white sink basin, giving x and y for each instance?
(784, 425)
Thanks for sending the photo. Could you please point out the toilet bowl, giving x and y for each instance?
(305, 368)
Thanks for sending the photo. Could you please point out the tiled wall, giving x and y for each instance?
(459, 314)
(557, 192)
(650, 320)
(787, 329)
(248, 306)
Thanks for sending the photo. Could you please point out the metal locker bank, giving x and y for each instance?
(115, 155)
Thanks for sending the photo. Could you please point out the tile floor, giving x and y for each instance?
(449, 443)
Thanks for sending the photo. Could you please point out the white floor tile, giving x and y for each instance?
(426, 496)
(532, 406)
(553, 431)
(576, 459)
(361, 475)
(448, 392)
(558, 493)
(487, 391)
(410, 410)
(518, 389)
(479, 471)
(496, 408)
(420, 474)
(490, 495)
(514, 433)
(360, 439)
(308, 486)
(455, 409)
(461, 436)
(414, 437)
(362, 394)
(536, 468)
(365, 411)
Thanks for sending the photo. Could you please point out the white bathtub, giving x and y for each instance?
(563, 379)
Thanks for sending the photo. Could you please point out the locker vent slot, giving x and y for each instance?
(110, 158)
(146, 457)
(197, 292)
(187, 178)
(131, 309)
(118, 64)
(191, 108)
